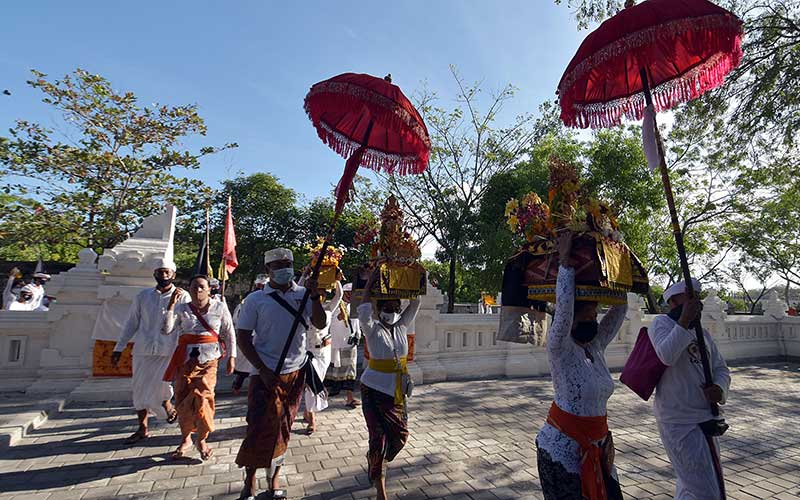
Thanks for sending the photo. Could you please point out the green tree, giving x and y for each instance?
(114, 165)
(771, 239)
(468, 149)
(265, 216)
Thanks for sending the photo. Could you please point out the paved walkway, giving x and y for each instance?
(469, 440)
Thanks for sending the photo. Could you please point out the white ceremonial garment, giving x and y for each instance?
(38, 295)
(384, 343)
(151, 350)
(149, 390)
(580, 386)
(680, 405)
(321, 354)
(183, 321)
(21, 306)
(242, 363)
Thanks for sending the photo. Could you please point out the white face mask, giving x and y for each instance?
(390, 318)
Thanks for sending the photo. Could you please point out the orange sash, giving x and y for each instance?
(584, 430)
(180, 352)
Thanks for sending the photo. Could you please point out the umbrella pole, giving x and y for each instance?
(314, 274)
(676, 231)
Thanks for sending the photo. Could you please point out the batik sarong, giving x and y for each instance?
(387, 425)
(271, 410)
(194, 396)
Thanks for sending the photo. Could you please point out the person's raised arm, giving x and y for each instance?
(318, 317)
(565, 295)
(610, 324)
(333, 304)
(168, 325)
(410, 312)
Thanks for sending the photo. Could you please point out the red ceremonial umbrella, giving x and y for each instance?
(659, 53)
(370, 122)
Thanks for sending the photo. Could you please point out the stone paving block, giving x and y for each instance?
(484, 449)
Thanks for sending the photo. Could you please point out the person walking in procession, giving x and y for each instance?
(384, 384)
(574, 448)
(205, 331)
(318, 344)
(273, 400)
(687, 427)
(151, 350)
(243, 367)
(345, 336)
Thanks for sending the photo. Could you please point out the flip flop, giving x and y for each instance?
(172, 417)
(179, 453)
(136, 437)
(205, 454)
(353, 404)
(309, 431)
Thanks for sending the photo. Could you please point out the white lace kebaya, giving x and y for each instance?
(581, 386)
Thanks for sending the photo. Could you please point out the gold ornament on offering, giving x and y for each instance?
(606, 269)
(397, 254)
(329, 272)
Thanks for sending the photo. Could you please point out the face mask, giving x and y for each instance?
(585, 331)
(164, 282)
(390, 318)
(282, 276)
(676, 312)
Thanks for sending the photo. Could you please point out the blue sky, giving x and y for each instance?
(249, 64)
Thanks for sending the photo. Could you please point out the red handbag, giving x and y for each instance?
(643, 369)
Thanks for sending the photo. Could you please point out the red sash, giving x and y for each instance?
(584, 430)
(188, 339)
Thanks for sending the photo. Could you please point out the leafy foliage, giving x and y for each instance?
(112, 165)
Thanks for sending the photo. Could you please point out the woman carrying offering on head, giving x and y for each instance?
(205, 332)
(574, 448)
(385, 382)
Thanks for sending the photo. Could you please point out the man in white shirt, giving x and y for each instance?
(151, 350)
(682, 409)
(243, 367)
(273, 400)
(39, 279)
(25, 301)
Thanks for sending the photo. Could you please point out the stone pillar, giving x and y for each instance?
(426, 367)
(774, 306)
(714, 316)
(67, 359)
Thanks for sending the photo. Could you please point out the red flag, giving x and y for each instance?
(229, 244)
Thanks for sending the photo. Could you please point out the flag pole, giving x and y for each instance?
(224, 268)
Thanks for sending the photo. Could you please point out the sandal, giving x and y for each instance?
(205, 453)
(309, 431)
(277, 494)
(353, 404)
(172, 416)
(180, 453)
(136, 437)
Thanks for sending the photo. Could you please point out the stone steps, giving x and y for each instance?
(21, 414)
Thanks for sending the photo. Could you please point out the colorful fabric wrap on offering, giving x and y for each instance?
(585, 431)
(391, 366)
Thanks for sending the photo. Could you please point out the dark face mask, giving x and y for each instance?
(585, 331)
(164, 282)
(676, 312)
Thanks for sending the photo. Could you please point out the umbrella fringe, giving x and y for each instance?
(393, 164)
(666, 96)
(690, 85)
(390, 114)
